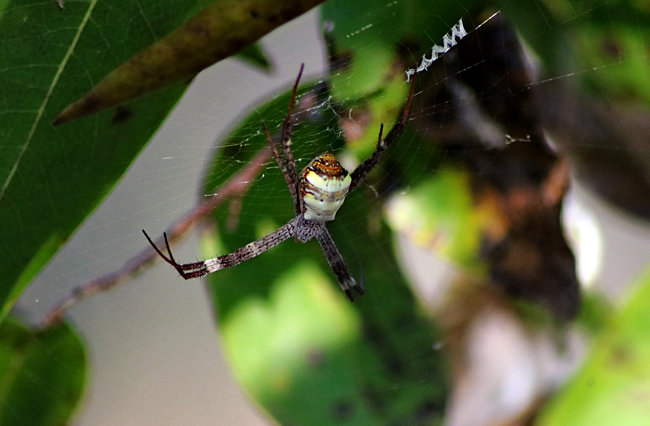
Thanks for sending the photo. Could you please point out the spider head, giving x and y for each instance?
(323, 185)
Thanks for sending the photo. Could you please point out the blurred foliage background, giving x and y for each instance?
(535, 98)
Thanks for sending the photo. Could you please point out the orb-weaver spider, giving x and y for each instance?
(317, 193)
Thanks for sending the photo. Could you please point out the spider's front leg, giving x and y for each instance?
(287, 127)
(241, 255)
(288, 164)
(187, 270)
(359, 174)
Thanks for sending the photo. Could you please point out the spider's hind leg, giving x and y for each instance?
(336, 262)
(352, 283)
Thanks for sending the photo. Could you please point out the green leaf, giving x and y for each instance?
(219, 30)
(614, 384)
(439, 213)
(295, 342)
(41, 374)
(52, 178)
(257, 56)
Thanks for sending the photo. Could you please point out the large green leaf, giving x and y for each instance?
(52, 178)
(41, 374)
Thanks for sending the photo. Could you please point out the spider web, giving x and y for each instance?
(150, 316)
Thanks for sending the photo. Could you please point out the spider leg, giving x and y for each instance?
(188, 270)
(241, 255)
(338, 265)
(275, 152)
(287, 127)
(359, 174)
(289, 179)
(253, 249)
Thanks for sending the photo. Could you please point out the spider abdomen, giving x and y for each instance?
(323, 185)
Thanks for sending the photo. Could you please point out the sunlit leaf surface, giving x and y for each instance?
(439, 214)
(614, 385)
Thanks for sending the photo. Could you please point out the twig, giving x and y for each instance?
(235, 186)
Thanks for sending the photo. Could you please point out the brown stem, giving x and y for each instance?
(235, 186)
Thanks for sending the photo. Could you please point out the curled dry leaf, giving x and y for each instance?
(221, 29)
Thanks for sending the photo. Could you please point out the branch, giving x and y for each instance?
(237, 185)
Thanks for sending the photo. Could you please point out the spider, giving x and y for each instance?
(317, 193)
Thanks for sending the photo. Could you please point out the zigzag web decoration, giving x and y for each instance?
(449, 40)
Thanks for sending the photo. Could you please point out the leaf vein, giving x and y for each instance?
(41, 109)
